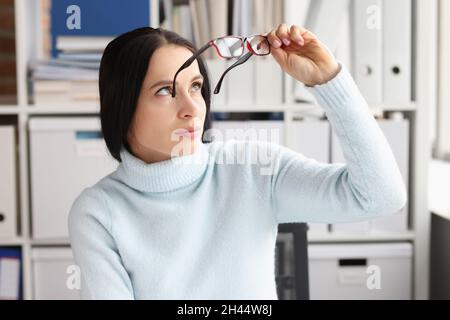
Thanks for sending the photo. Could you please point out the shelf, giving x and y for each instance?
(86, 109)
(370, 237)
(12, 242)
(9, 110)
(50, 242)
(301, 108)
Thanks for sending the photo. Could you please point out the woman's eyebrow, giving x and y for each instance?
(166, 82)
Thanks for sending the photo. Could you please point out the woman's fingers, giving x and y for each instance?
(282, 33)
(285, 34)
(296, 35)
(273, 39)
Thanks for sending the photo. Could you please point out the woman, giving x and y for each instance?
(184, 225)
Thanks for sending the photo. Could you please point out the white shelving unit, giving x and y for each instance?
(424, 60)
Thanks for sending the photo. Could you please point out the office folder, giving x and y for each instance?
(344, 47)
(10, 274)
(366, 21)
(8, 186)
(241, 85)
(262, 130)
(397, 46)
(296, 11)
(344, 271)
(268, 82)
(54, 274)
(55, 145)
(216, 67)
(324, 18)
(97, 18)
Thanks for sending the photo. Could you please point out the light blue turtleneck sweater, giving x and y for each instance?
(200, 227)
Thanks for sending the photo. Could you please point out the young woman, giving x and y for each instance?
(193, 226)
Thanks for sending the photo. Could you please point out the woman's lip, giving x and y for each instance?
(188, 133)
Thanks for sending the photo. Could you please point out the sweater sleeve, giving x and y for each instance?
(367, 185)
(103, 275)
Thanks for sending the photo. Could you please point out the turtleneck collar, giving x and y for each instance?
(162, 176)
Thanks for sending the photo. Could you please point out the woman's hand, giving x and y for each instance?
(302, 55)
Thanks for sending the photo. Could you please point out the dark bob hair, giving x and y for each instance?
(122, 71)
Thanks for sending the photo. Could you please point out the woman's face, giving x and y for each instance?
(163, 126)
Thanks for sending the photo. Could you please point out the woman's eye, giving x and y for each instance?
(164, 91)
(197, 85)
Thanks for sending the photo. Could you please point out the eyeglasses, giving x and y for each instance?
(230, 47)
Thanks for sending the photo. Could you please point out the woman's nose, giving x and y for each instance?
(188, 106)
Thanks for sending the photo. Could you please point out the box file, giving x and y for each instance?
(67, 155)
(397, 58)
(216, 68)
(262, 130)
(10, 274)
(241, 87)
(54, 274)
(268, 82)
(360, 271)
(8, 186)
(367, 34)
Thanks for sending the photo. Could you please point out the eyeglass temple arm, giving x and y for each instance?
(241, 60)
(188, 63)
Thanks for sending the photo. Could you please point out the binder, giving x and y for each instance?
(342, 271)
(268, 82)
(397, 61)
(312, 139)
(324, 18)
(366, 20)
(216, 68)
(241, 87)
(296, 11)
(98, 18)
(8, 186)
(53, 272)
(262, 130)
(344, 48)
(55, 145)
(10, 274)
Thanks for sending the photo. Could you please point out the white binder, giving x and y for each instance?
(54, 274)
(241, 87)
(366, 20)
(324, 18)
(8, 193)
(296, 11)
(311, 138)
(268, 82)
(397, 46)
(67, 155)
(216, 68)
(9, 278)
(262, 130)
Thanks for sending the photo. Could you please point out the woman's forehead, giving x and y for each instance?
(166, 61)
